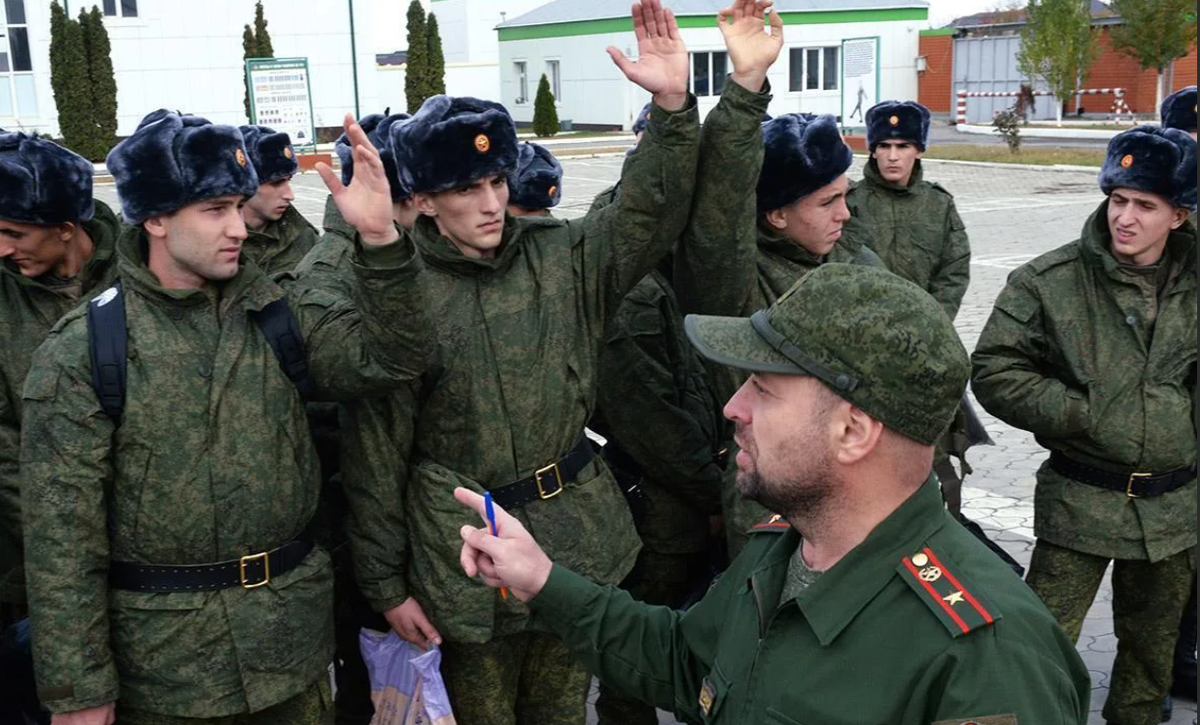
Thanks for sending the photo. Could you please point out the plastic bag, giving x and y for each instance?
(406, 683)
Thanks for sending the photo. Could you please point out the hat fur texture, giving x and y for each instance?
(898, 120)
(454, 141)
(537, 181)
(802, 153)
(1152, 159)
(43, 183)
(1179, 110)
(271, 153)
(377, 126)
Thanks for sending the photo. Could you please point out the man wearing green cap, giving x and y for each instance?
(862, 601)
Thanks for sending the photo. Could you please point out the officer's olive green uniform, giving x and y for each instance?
(211, 462)
(281, 244)
(1098, 360)
(28, 309)
(919, 624)
(513, 385)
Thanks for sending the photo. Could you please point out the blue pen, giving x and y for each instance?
(491, 517)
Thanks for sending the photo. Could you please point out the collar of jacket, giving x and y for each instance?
(832, 602)
(333, 220)
(1095, 242)
(438, 251)
(874, 179)
(279, 229)
(104, 227)
(249, 288)
(854, 236)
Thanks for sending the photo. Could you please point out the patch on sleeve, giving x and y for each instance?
(775, 524)
(989, 720)
(958, 605)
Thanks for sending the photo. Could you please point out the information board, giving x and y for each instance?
(281, 97)
(860, 80)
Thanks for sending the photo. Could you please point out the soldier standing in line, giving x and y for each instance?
(171, 578)
(58, 248)
(1092, 348)
(914, 227)
(278, 234)
(535, 187)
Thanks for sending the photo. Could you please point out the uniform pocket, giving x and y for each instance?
(286, 622)
(162, 641)
(774, 717)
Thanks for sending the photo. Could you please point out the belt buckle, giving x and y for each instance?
(537, 477)
(1134, 477)
(250, 559)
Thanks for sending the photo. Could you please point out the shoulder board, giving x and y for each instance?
(942, 189)
(776, 524)
(948, 595)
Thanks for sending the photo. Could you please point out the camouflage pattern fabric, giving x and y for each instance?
(1098, 361)
(240, 464)
(311, 707)
(281, 244)
(519, 679)
(1148, 599)
(28, 309)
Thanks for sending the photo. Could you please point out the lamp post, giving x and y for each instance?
(353, 61)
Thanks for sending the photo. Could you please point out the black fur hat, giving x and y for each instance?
(802, 153)
(1179, 110)
(1154, 159)
(42, 182)
(451, 142)
(377, 126)
(902, 120)
(537, 181)
(270, 152)
(172, 160)
(642, 120)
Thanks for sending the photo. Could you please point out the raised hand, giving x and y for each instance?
(752, 50)
(662, 64)
(510, 559)
(366, 204)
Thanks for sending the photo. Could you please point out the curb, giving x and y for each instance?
(1004, 165)
(1075, 133)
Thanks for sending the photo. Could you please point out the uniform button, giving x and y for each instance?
(204, 369)
(1131, 320)
(842, 381)
(919, 559)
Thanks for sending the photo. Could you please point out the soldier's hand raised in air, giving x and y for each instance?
(510, 559)
(752, 49)
(662, 64)
(366, 203)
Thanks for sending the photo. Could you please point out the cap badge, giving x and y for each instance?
(552, 190)
(482, 144)
(1127, 161)
(894, 120)
(287, 152)
(240, 156)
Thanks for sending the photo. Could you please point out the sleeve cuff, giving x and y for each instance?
(744, 98)
(674, 126)
(563, 598)
(386, 257)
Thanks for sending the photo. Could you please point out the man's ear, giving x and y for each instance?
(856, 434)
(1181, 216)
(425, 204)
(66, 230)
(776, 218)
(155, 227)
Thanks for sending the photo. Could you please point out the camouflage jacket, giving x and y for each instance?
(518, 342)
(28, 309)
(211, 461)
(917, 232)
(1098, 361)
(281, 244)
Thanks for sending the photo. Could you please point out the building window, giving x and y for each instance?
(708, 73)
(522, 78)
(553, 75)
(128, 8)
(15, 9)
(18, 95)
(813, 69)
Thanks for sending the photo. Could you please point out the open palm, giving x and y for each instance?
(662, 64)
(751, 49)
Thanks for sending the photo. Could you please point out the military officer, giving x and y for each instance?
(278, 234)
(1092, 348)
(535, 186)
(862, 601)
(141, 613)
(57, 247)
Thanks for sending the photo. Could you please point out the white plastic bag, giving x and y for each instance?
(406, 683)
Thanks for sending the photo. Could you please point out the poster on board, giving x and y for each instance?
(281, 97)
(860, 80)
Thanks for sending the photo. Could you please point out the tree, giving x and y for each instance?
(545, 116)
(418, 53)
(69, 81)
(1058, 44)
(102, 80)
(435, 61)
(262, 38)
(249, 50)
(1154, 33)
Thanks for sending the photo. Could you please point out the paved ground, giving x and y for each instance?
(1012, 216)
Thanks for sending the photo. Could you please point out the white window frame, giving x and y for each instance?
(554, 74)
(713, 91)
(12, 73)
(521, 71)
(120, 10)
(803, 51)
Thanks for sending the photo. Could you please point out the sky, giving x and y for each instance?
(942, 12)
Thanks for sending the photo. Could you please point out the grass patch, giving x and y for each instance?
(1038, 156)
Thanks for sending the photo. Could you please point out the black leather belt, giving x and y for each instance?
(548, 481)
(248, 572)
(1131, 483)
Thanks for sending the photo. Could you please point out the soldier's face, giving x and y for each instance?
(1140, 223)
(815, 222)
(896, 160)
(34, 249)
(197, 244)
(270, 203)
(471, 216)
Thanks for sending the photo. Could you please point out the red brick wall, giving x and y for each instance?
(934, 82)
(1117, 70)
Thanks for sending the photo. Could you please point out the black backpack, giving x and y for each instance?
(107, 335)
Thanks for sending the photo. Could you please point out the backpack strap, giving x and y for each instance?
(279, 325)
(107, 343)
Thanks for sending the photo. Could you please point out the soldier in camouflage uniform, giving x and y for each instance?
(535, 185)
(169, 572)
(520, 305)
(57, 246)
(279, 235)
(1092, 348)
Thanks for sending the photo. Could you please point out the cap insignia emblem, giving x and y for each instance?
(552, 190)
(894, 120)
(482, 143)
(1127, 161)
(240, 156)
(287, 152)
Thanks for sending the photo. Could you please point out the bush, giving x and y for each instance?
(1008, 124)
(545, 115)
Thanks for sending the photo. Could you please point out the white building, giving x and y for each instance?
(566, 40)
(187, 55)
